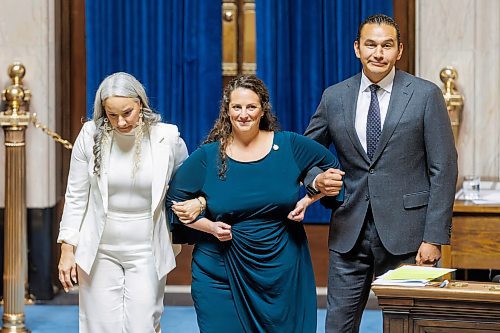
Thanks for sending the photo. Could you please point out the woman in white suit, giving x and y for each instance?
(113, 231)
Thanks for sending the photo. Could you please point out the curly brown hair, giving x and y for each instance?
(222, 129)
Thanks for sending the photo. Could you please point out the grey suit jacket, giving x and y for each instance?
(410, 183)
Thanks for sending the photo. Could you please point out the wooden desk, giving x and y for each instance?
(469, 307)
(475, 237)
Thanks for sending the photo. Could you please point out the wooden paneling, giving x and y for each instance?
(70, 77)
(249, 39)
(229, 38)
(474, 237)
(317, 235)
(70, 93)
(475, 242)
(238, 39)
(181, 275)
(404, 14)
(460, 307)
(71, 66)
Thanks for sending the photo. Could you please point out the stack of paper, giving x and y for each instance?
(489, 193)
(411, 276)
(488, 197)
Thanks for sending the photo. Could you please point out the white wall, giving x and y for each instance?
(466, 35)
(27, 32)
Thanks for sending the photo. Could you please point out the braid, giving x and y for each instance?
(100, 137)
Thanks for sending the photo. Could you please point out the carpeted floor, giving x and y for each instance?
(182, 319)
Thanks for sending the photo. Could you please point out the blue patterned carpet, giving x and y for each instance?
(64, 319)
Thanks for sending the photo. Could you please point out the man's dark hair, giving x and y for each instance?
(379, 19)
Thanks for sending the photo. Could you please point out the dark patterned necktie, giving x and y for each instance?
(373, 128)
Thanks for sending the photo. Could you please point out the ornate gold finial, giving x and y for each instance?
(17, 102)
(454, 100)
(16, 72)
(16, 97)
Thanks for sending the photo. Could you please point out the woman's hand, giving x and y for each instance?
(221, 230)
(67, 266)
(187, 211)
(298, 213)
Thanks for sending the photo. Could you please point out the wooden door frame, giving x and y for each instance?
(404, 15)
(70, 92)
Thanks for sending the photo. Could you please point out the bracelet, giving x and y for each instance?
(202, 207)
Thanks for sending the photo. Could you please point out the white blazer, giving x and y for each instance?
(86, 200)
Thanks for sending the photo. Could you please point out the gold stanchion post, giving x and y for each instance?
(454, 100)
(14, 122)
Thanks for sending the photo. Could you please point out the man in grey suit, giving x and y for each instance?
(393, 138)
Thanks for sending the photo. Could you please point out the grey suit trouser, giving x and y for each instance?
(351, 274)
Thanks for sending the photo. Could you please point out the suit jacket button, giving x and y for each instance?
(371, 171)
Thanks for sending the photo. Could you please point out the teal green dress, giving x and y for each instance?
(262, 280)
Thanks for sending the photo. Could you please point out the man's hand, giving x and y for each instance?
(330, 182)
(428, 254)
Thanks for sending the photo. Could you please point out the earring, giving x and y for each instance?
(106, 125)
(141, 121)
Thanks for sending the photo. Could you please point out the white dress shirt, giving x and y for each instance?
(364, 98)
(363, 104)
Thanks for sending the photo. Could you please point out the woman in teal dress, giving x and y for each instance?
(251, 267)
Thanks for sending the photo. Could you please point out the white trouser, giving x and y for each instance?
(122, 294)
